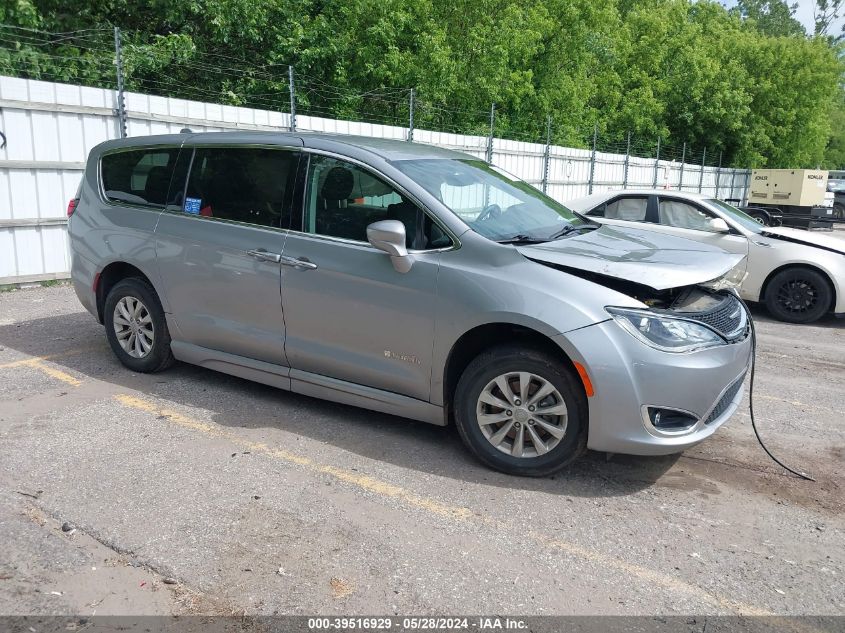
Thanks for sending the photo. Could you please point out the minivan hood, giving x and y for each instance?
(651, 259)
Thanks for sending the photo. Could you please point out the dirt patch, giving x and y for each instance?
(341, 588)
(741, 470)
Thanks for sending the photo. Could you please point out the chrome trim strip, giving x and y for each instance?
(203, 218)
(657, 432)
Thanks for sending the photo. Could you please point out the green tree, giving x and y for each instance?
(747, 82)
(772, 17)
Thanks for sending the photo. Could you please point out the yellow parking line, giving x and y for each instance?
(38, 363)
(385, 489)
(361, 481)
(57, 374)
(22, 363)
(34, 359)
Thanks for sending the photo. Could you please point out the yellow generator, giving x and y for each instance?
(794, 197)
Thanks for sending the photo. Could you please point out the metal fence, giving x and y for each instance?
(49, 128)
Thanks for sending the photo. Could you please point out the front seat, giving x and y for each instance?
(337, 188)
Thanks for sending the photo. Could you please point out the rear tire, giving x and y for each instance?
(798, 295)
(136, 328)
(525, 382)
(839, 211)
(761, 217)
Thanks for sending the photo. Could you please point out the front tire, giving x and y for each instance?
(136, 328)
(798, 295)
(521, 411)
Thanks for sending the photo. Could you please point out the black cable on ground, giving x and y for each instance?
(802, 475)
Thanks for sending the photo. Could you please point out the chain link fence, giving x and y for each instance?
(85, 87)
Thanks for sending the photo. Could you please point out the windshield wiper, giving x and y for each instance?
(568, 229)
(522, 239)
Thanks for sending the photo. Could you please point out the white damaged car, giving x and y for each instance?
(799, 275)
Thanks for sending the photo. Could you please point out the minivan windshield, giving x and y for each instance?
(494, 203)
(740, 217)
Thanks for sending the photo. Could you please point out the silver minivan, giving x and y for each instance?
(412, 280)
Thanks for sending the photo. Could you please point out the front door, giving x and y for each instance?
(685, 219)
(219, 249)
(348, 313)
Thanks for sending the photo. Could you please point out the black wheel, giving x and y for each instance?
(839, 211)
(136, 328)
(761, 217)
(798, 295)
(519, 411)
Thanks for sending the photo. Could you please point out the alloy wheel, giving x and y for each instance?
(522, 414)
(133, 326)
(797, 295)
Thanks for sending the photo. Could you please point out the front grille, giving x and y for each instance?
(725, 400)
(728, 318)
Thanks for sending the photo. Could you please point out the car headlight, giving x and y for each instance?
(665, 333)
(730, 280)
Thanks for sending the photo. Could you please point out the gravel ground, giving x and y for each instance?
(194, 492)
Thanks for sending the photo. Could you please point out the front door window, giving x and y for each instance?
(682, 216)
(344, 199)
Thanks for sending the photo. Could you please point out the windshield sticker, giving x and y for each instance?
(192, 206)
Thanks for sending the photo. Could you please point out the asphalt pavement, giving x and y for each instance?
(191, 491)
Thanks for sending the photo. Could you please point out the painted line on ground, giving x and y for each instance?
(58, 374)
(364, 482)
(435, 507)
(39, 364)
(33, 359)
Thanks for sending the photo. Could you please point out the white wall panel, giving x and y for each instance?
(59, 124)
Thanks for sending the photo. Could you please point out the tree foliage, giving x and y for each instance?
(772, 17)
(746, 82)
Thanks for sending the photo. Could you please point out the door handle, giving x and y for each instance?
(301, 264)
(264, 256)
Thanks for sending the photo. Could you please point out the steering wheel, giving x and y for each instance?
(490, 212)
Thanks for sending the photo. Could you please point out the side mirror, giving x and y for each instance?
(718, 225)
(389, 236)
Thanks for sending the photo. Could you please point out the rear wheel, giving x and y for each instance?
(136, 328)
(839, 211)
(798, 295)
(761, 217)
(520, 411)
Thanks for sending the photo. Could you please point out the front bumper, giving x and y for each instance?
(628, 377)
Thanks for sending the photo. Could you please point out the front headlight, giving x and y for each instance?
(730, 280)
(665, 333)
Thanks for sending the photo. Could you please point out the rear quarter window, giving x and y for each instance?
(138, 177)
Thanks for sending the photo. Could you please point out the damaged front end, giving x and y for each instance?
(688, 289)
(697, 318)
(681, 319)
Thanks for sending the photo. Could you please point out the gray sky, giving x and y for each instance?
(804, 14)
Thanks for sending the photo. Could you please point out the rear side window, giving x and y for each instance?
(631, 209)
(138, 177)
(242, 184)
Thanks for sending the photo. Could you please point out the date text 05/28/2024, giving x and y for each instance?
(417, 623)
